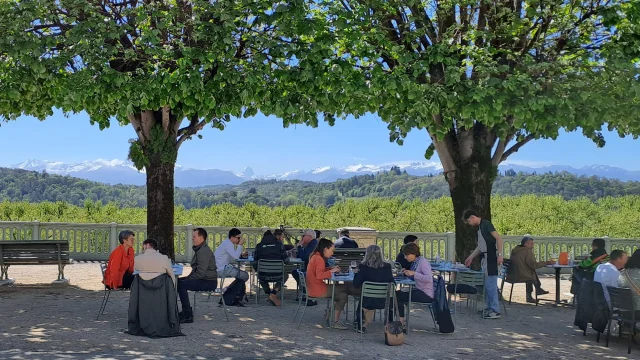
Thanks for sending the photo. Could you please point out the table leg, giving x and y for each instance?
(557, 285)
(409, 308)
(332, 305)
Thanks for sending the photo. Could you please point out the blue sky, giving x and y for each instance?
(264, 145)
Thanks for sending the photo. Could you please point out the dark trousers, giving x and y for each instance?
(403, 299)
(530, 286)
(127, 280)
(264, 283)
(185, 285)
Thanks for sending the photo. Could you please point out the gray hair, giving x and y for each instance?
(310, 232)
(526, 238)
(373, 257)
(124, 235)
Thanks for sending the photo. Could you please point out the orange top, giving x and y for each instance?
(317, 272)
(119, 263)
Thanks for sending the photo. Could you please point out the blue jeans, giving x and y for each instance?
(491, 288)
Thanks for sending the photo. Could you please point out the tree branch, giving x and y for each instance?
(516, 147)
(189, 131)
(137, 126)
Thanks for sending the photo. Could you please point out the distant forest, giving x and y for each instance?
(30, 186)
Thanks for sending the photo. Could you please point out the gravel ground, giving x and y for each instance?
(43, 321)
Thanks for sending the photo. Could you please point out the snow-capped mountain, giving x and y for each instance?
(123, 172)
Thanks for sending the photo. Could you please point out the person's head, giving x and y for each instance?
(308, 235)
(150, 244)
(325, 248)
(344, 232)
(267, 234)
(527, 241)
(411, 251)
(278, 234)
(318, 234)
(618, 258)
(597, 244)
(126, 238)
(634, 261)
(373, 257)
(199, 236)
(471, 217)
(235, 235)
(410, 239)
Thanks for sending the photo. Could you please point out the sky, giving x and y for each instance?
(264, 145)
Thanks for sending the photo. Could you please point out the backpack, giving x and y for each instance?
(235, 293)
(441, 307)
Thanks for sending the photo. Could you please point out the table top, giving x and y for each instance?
(177, 270)
(558, 266)
(290, 260)
(349, 278)
(442, 269)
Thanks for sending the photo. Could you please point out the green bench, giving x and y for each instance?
(33, 252)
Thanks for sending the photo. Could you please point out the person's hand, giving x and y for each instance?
(334, 269)
(500, 260)
(550, 262)
(409, 272)
(241, 242)
(468, 261)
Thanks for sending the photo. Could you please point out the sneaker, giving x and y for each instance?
(275, 299)
(492, 315)
(312, 303)
(339, 326)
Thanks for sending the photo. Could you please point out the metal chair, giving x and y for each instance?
(376, 290)
(624, 311)
(107, 291)
(473, 279)
(303, 285)
(503, 276)
(271, 269)
(217, 291)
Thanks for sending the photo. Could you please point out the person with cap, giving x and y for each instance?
(523, 267)
(345, 242)
(119, 273)
(305, 249)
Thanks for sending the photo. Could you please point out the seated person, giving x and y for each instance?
(228, 252)
(421, 272)
(587, 267)
(151, 264)
(318, 234)
(318, 272)
(119, 273)
(269, 248)
(608, 273)
(523, 267)
(373, 268)
(630, 277)
(279, 234)
(345, 242)
(153, 304)
(305, 248)
(203, 276)
(400, 258)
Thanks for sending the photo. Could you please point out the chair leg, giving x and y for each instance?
(194, 300)
(302, 315)
(295, 315)
(103, 305)
(608, 333)
(511, 293)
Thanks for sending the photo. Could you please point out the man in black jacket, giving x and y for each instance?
(270, 249)
(203, 276)
(400, 258)
(345, 242)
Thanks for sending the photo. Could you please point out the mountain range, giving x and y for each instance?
(123, 172)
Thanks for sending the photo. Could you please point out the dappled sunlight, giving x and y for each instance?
(515, 336)
(218, 333)
(245, 319)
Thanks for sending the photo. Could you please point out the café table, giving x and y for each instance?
(558, 268)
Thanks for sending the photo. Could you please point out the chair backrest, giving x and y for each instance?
(506, 263)
(621, 298)
(270, 266)
(375, 290)
(302, 278)
(103, 269)
(470, 278)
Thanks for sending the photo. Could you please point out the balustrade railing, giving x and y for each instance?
(94, 242)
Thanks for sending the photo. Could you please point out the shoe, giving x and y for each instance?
(359, 330)
(531, 300)
(187, 318)
(542, 292)
(492, 315)
(312, 303)
(339, 326)
(275, 299)
(270, 302)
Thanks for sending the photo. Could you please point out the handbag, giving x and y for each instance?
(393, 333)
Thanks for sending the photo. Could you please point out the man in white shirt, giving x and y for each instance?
(227, 253)
(151, 264)
(607, 274)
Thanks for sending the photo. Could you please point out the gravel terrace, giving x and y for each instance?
(43, 321)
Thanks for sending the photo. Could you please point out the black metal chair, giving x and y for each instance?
(505, 270)
(624, 312)
(107, 291)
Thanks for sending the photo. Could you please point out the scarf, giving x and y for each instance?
(414, 264)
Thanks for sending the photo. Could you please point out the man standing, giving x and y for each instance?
(490, 245)
(228, 252)
(203, 276)
(523, 267)
(608, 273)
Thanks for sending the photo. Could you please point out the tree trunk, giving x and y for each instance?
(160, 203)
(471, 189)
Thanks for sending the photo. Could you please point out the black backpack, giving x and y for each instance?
(235, 293)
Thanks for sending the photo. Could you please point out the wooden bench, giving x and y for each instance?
(34, 252)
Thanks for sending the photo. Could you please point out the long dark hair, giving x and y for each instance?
(634, 261)
(323, 244)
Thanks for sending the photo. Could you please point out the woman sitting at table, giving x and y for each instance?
(318, 272)
(373, 268)
(119, 273)
(422, 275)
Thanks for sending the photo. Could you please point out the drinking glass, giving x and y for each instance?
(353, 266)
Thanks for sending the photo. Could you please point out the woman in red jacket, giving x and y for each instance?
(119, 272)
(318, 272)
